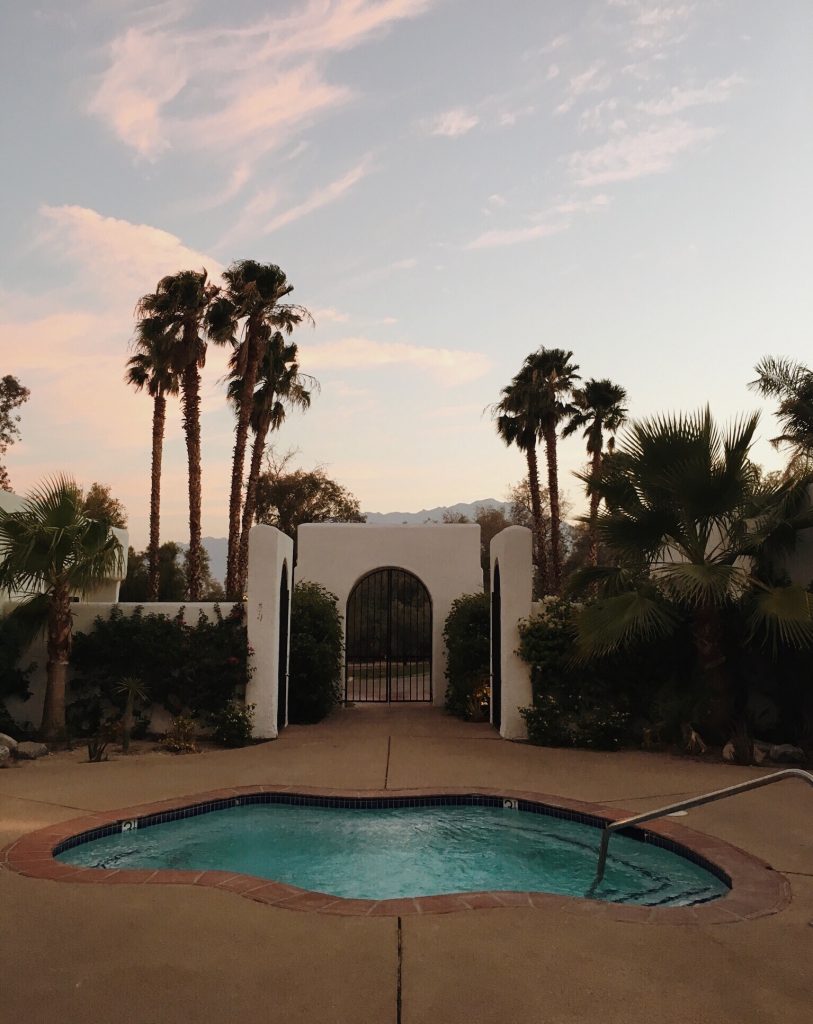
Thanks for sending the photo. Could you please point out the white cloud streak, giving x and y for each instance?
(453, 123)
(448, 366)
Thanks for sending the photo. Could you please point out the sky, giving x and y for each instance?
(448, 184)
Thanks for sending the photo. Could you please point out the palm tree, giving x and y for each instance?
(792, 384)
(151, 368)
(247, 315)
(598, 408)
(178, 307)
(517, 419)
(551, 374)
(695, 533)
(280, 387)
(50, 551)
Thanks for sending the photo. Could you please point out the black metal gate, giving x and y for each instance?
(282, 668)
(388, 638)
(496, 650)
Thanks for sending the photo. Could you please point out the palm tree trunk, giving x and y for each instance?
(719, 712)
(250, 506)
(540, 555)
(159, 414)
(233, 593)
(58, 648)
(553, 489)
(190, 400)
(595, 499)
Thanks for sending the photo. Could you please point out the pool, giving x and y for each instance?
(390, 849)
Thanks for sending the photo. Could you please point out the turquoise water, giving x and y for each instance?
(415, 851)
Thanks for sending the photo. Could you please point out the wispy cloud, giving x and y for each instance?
(453, 123)
(678, 99)
(449, 366)
(512, 236)
(654, 25)
(262, 79)
(650, 151)
(323, 196)
(592, 79)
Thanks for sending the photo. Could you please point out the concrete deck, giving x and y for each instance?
(142, 955)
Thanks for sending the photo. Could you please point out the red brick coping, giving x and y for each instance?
(756, 890)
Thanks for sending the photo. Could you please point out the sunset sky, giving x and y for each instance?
(448, 184)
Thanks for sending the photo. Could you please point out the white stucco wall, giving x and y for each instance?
(268, 551)
(512, 550)
(107, 591)
(84, 615)
(444, 557)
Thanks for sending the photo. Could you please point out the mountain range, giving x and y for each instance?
(217, 546)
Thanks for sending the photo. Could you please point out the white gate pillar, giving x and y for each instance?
(512, 550)
(269, 551)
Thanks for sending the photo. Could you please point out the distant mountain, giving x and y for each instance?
(217, 547)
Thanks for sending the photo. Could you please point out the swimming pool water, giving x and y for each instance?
(407, 851)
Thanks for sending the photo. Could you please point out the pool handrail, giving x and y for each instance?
(683, 805)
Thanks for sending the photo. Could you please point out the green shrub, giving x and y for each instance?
(574, 705)
(467, 636)
(14, 680)
(185, 668)
(180, 737)
(233, 723)
(315, 667)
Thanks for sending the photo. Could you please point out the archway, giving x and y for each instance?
(388, 638)
(282, 668)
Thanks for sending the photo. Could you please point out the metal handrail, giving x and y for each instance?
(695, 801)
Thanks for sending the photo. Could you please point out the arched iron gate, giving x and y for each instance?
(388, 638)
(282, 667)
(496, 650)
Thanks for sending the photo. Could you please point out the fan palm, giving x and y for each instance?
(792, 384)
(151, 368)
(177, 308)
(695, 533)
(598, 409)
(517, 421)
(281, 387)
(50, 551)
(247, 315)
(551, 374)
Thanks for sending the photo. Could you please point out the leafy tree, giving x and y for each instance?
(280, 387)
(315, 668)
(247, 315)
(598, 409)
(694, 536)
(792, 384)
(173, 568)
(150, 368)
(50, 550)
(12, 395)
(491, 521)
(286, 499)
(548, 375)
(99, 503)
(176, 310)
(467, 635)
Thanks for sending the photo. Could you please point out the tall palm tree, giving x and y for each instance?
(247, 315)
(550, 372)
(178, 306)
(694, 533)
(50, 551)
(517, 419)
(598, 409)
(792, 384)
(151, 368)
(280, 387)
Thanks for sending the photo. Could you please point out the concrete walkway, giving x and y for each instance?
(147, 955)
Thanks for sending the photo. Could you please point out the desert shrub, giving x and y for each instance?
(13, 679)
(233, 723)
(466, 634)
(574, 705)
(316, 650)
(187, 668)
(180, 737)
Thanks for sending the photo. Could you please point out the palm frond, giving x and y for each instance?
(612, 623)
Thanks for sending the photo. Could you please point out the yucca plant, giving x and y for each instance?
(132, 689)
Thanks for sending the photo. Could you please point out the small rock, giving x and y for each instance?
(5, 757)
(728, 751)
(786, 752)
(7, 741)
(31, 751)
